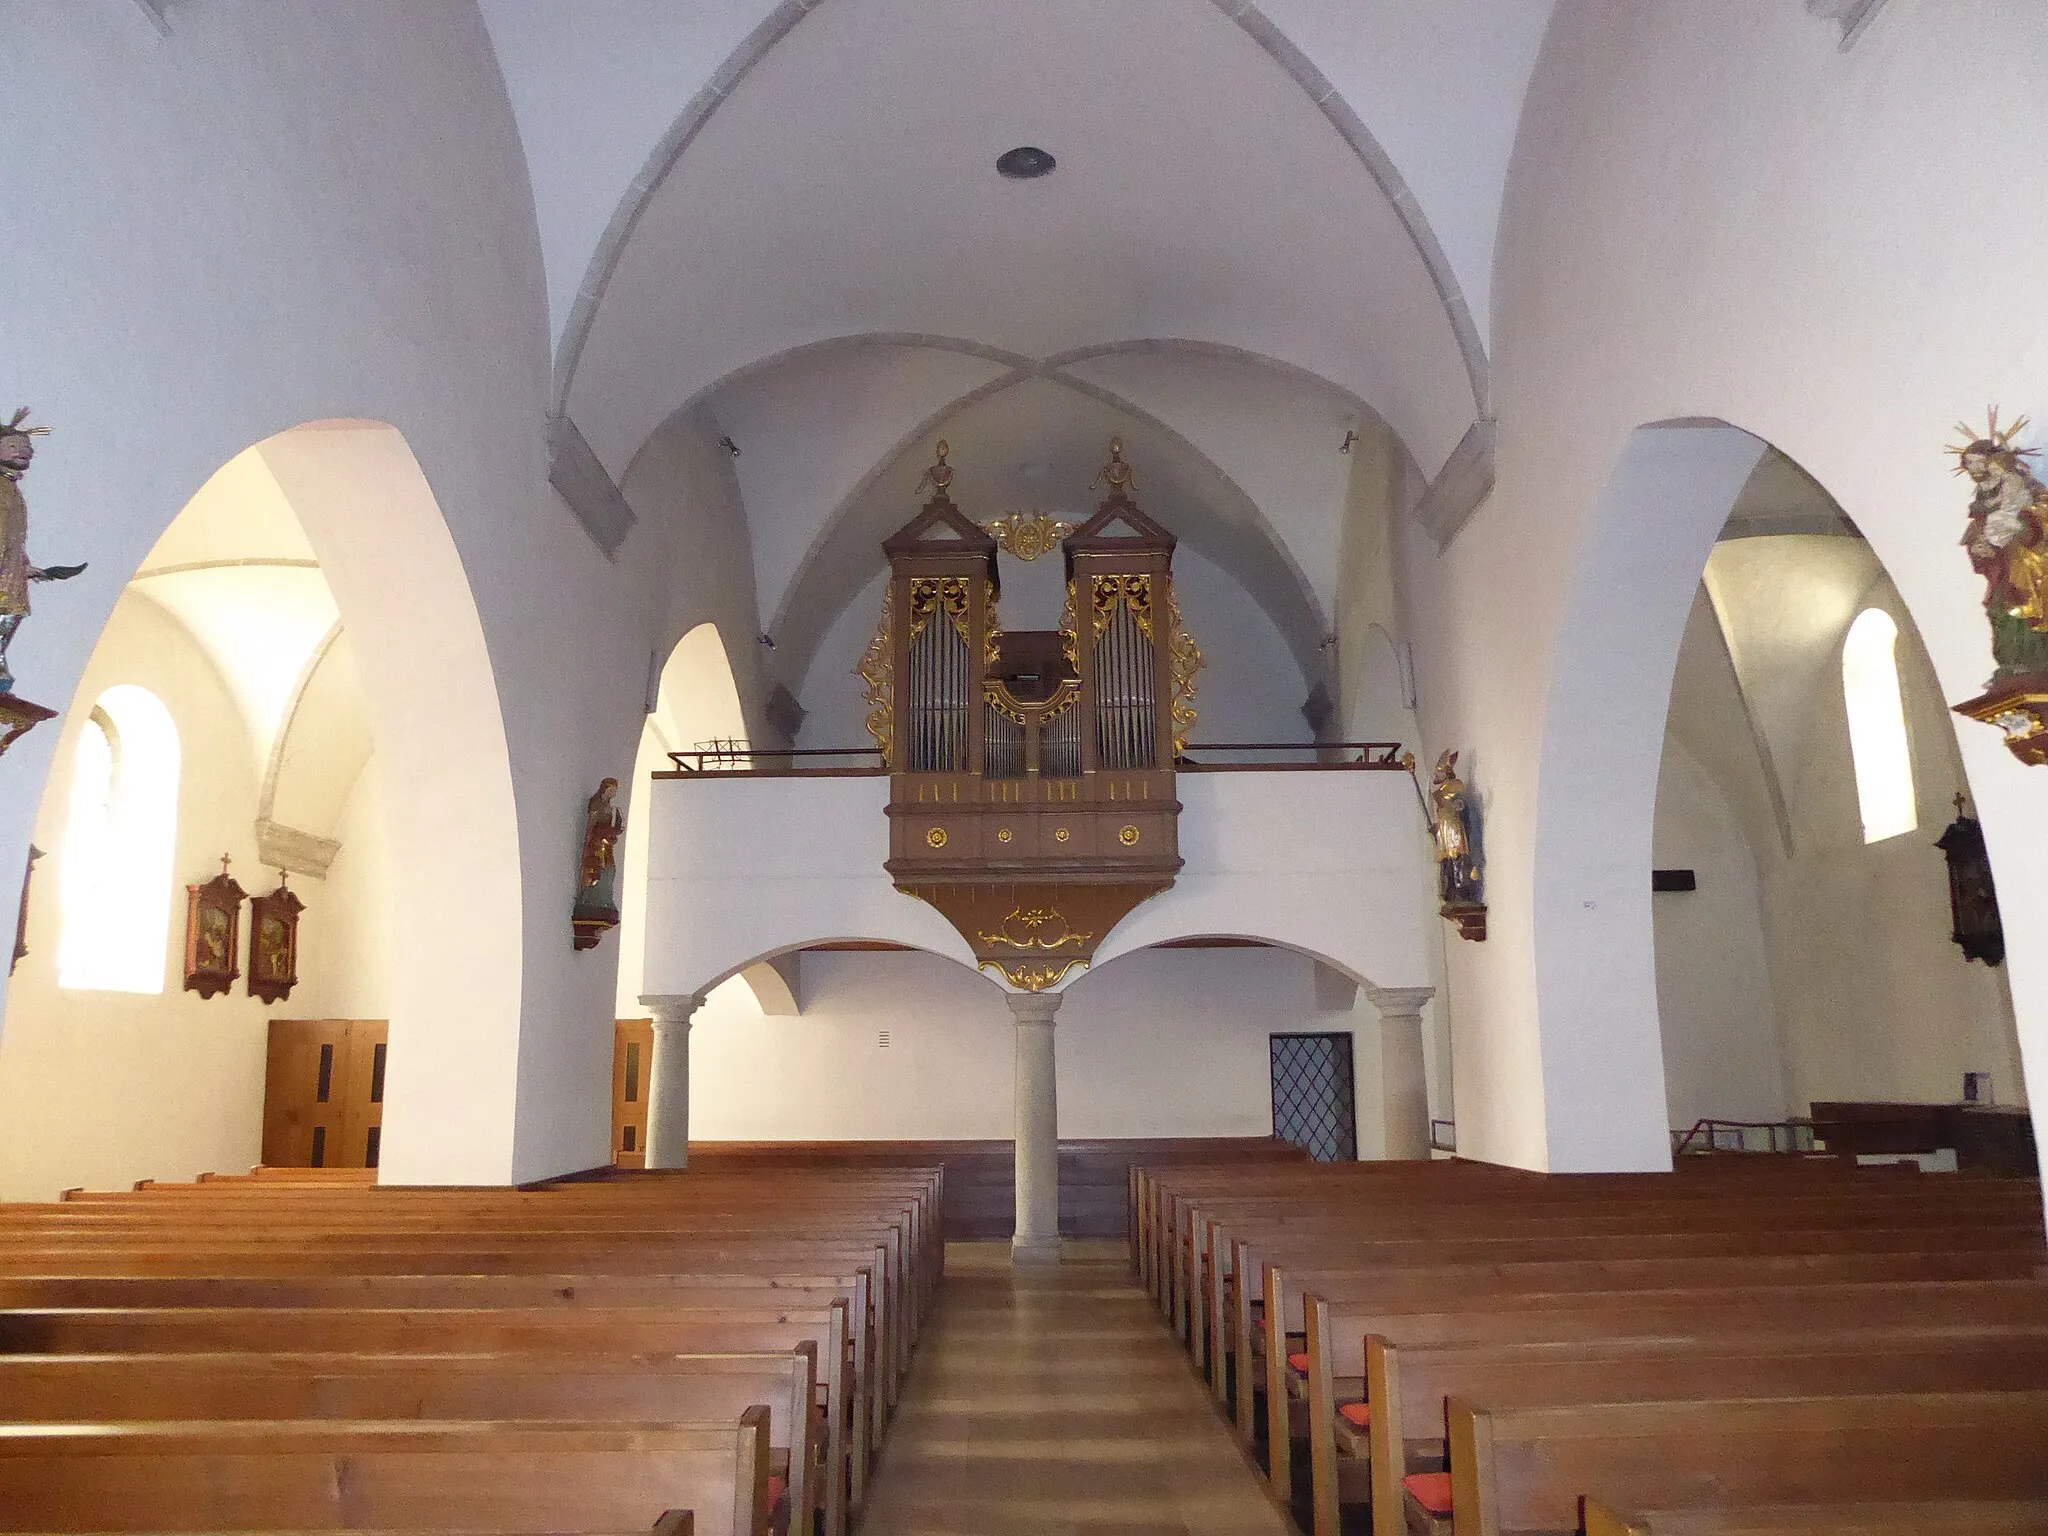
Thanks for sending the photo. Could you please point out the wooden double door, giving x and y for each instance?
(323, 1093)
(632, 1059)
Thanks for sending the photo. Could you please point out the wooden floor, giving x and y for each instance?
(1051, 1401)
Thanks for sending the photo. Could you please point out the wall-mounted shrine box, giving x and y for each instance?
(1032, 795)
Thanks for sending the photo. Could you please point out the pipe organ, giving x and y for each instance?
(1032, 796)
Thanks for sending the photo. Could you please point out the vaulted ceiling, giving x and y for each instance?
(1270, 224)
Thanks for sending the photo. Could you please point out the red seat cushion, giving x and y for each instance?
(1298, 1363)
(1357, 1415)
(1432, 1490)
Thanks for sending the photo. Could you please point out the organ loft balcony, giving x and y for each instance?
(1034, 801)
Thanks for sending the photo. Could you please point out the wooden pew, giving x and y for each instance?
(418, 1476)
(1946, 1517)
(597, 1389)
(445, 1331)
(1406, 1387)
(1565, 1302)
(1525, 1469)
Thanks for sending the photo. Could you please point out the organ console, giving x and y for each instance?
(1032, 790)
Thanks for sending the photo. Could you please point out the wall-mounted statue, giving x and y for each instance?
(1453, 823)
(1972, 898)
(597, 876)
(17, 452)
(2007, 540)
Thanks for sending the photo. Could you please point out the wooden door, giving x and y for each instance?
(323, 1093)
(362, 1095)
(632, 1058)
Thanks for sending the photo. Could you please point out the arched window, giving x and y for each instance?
(120, 836)
(1877, 727)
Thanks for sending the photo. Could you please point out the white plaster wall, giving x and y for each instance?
(1879, 1001)
(345, 933)
(740, 868)
(1810, 965)
(1713, 212)
(1718, 1016)
(1163, 1043)
(288, 213)
(102, 1088)
(834, 698)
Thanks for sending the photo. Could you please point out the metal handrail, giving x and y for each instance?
(738, 757)
(1784, 1137)
(1371, 754)
(742, 758)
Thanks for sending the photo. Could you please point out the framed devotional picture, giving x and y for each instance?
(213, 931)
(274, 943)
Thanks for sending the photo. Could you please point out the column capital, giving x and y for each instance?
(671, 1007)
(1033, 1007)
(1400, 1002)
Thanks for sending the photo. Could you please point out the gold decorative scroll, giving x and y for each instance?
(1064, 697)
(1035, 928)
(929, 594)
(877, 670)
(993, 623)
(1133, 591)
(1187, 661)
(999, 699)
(1070, 638)
(1027, 535)
(1028, 977)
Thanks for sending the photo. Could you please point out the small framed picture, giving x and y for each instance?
(213, 933)
(274, 943)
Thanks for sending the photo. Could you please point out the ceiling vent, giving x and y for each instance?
(1026, 162)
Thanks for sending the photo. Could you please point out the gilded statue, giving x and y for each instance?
(17, 451)
(2007, 538)
(1457, 859)
(597, 874)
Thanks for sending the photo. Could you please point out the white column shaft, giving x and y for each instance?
(1038, 1131)
(668, 1082)
(1404, 1081)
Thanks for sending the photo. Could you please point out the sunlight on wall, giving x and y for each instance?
(119, 837)
(1877, 727)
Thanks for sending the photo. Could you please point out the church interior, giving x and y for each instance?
(999, 765)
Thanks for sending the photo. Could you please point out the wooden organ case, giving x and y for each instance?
(1032, 793)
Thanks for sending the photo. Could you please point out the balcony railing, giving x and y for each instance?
(1200, 757)
(1756, 1137)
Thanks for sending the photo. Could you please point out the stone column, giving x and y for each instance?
(1404, 1086)
(668, 1079)
(1038, 1130)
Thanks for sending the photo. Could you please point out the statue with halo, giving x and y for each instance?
(2007, 540)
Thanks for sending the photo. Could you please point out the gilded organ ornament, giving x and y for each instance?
(2006, 536)
(1187, 661)
(877, 671)
(1035, 928)
(1027, 535)
(1033, 976)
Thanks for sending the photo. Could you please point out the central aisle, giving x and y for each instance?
(1051, 1402)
